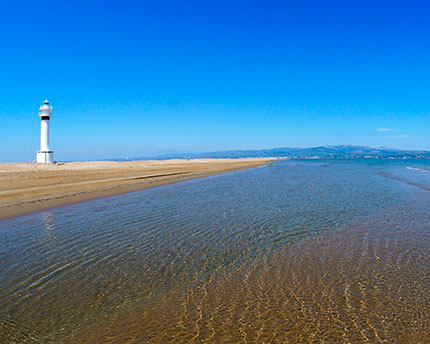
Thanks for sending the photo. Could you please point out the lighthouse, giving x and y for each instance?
(45, 155)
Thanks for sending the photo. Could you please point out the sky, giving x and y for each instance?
(140, 78)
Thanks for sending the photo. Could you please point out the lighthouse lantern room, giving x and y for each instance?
(45, 155)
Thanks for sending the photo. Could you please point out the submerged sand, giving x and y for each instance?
(29, 187)
(364, 283)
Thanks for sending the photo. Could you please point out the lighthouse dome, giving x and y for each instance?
(45, 109)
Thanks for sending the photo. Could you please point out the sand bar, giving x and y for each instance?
(30, 187)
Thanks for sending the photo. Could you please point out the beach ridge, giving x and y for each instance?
(30, 187)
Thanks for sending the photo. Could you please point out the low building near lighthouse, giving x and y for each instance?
(45, 155)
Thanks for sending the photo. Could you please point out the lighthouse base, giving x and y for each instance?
(45, 157)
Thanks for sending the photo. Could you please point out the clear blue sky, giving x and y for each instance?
(129, 78)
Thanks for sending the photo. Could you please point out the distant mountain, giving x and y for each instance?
(315, 152)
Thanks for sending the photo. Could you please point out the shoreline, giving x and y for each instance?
(30, 187)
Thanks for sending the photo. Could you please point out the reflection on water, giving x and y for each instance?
(333, 251)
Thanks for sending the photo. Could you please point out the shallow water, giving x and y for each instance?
(300, 251)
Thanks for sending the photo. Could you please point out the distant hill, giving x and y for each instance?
(341, 151)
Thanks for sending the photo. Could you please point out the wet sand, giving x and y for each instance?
(30, 187)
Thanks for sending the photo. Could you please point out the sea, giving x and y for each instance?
(298, 251)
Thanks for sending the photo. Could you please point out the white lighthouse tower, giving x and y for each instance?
(45, 156)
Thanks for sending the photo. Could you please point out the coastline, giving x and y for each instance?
(30, 187)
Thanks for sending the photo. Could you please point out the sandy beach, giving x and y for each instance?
(300, 251)
(30, 187)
